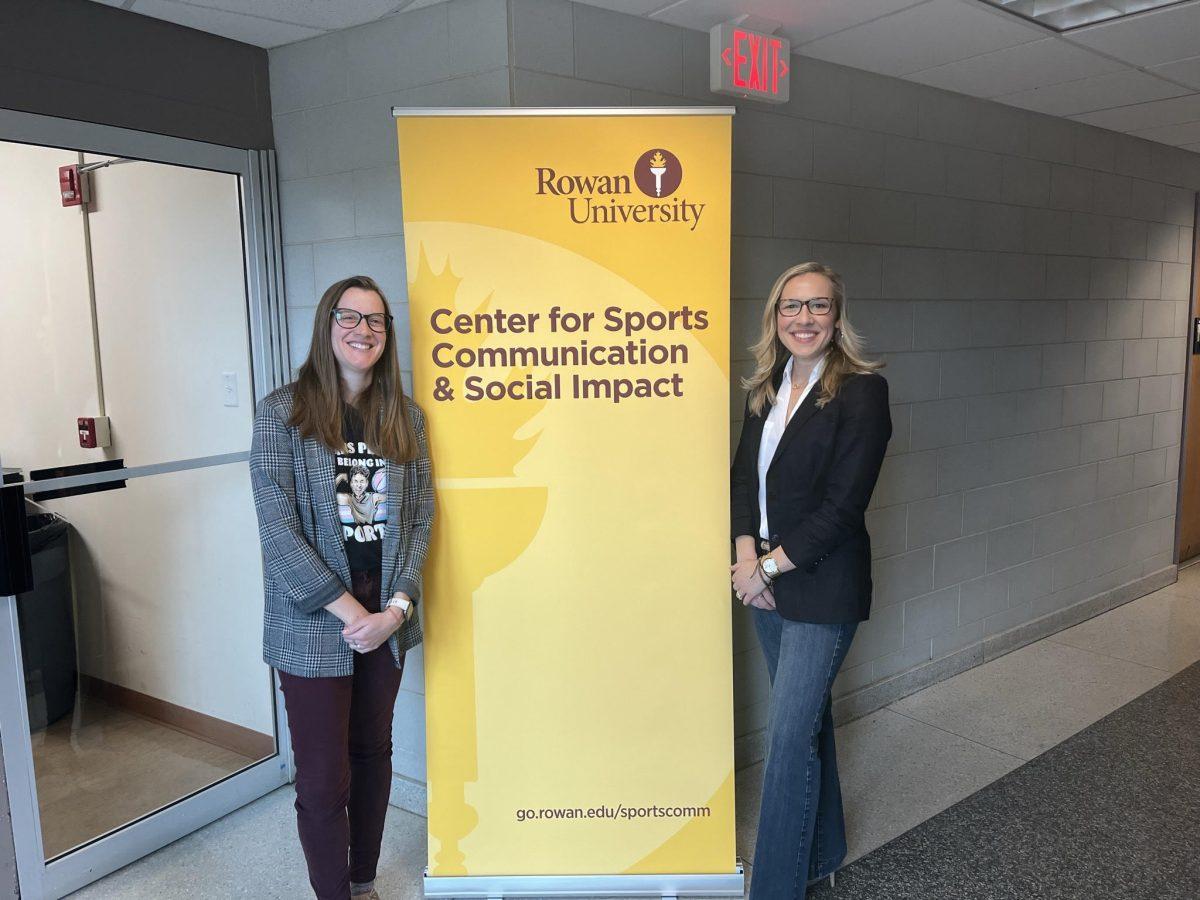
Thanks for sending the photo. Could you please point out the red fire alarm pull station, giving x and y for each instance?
(72, 186)
(747, 63)
(94, 431)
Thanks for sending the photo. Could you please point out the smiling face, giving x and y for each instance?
(357, 349)
(358, 484)
(804, 335)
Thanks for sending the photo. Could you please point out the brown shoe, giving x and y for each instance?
(372, 894)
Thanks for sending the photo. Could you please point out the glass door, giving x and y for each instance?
(134, 703)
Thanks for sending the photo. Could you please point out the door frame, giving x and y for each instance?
(270, 368)
(1190, 429)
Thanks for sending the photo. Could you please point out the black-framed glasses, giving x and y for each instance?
(349, 318)
(818, 306)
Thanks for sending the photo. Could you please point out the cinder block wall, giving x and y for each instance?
(340, 194)
(335, 138)
(1026, 279)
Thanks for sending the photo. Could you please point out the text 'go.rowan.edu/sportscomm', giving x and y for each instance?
(613, 812)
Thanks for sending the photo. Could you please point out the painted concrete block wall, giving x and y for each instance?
(335, 139)
(1025, 278)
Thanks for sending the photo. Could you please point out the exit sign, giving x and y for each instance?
(748, 63)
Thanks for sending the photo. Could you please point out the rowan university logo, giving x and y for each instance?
(598, 198)
(658, 173)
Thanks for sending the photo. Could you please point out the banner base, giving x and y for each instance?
(665, 886)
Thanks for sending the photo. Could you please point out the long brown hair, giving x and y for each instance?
(843, 357)
(318, 409)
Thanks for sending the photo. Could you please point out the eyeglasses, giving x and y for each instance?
(818, 306)
(349, 318)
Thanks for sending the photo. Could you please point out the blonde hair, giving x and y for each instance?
(843, 357)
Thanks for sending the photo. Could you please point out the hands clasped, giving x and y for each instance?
(750, 586)
(368, 632)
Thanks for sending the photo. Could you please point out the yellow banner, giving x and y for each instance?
(568, 292)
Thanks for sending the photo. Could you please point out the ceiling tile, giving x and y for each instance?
(633, 7)
(238, 27)
(818, 18)
(1184, 133)
(1147, 39)
(924, 36)
(1019, 68)
(799, 22)
(1185, 70)
(321, 15)
(701, 15)
(1142, 116)
(1098, 92)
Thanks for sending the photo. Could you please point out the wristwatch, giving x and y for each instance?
(770, 568)
(406, 606)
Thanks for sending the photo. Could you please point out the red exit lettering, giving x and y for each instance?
(747, 63)
(756, 61)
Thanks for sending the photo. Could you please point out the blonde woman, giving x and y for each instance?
(342, 487)
(816, 427)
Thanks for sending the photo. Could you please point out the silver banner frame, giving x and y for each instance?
(494, 887)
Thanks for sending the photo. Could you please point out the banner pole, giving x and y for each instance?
(557, 112)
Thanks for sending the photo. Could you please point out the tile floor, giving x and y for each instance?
(101, 767)
(900, 765)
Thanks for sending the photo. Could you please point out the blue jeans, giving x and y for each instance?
(801, 831)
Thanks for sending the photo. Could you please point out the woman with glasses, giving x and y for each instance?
(340, 470)
(813, 439)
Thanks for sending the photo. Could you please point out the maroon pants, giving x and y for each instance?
(342, 741)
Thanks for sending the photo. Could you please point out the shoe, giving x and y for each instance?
(813, 882)
(372, 894)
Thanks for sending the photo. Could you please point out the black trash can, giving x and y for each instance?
(47, 623)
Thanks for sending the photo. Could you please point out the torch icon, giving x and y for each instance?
(658, 167)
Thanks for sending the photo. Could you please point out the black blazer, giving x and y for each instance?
(818, 487)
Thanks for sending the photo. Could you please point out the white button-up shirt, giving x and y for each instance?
(772, 433)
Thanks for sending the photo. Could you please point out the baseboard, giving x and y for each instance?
(750, 748)
(244, 741)
(1006, 642)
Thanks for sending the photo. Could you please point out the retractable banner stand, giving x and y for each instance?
(568, 276)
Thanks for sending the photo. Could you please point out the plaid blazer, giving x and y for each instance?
(304, 557)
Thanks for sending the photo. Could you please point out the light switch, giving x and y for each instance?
(229, 388)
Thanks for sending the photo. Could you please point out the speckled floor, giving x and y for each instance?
(1113, 812)
(901, 766)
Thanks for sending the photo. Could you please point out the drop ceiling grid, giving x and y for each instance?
(984, 52)
(265, 23)
(1019, 68)
(249, 29)
(1139, 75)
(921, 37)
(800, 21)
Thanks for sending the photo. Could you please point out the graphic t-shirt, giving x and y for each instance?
(361, 486)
